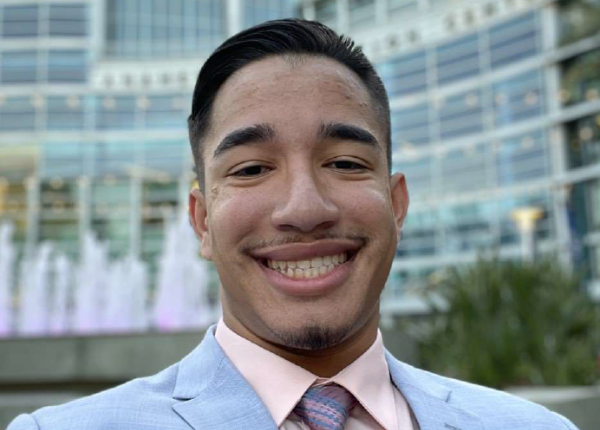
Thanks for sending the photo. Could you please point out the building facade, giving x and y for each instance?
(495, 107)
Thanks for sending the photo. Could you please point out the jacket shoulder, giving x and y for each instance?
(496, 409)
(141, 403)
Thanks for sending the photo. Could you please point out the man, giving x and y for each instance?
(290, 128)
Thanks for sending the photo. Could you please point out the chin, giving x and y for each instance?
(313, 336)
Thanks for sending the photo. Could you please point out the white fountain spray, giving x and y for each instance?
(7, 261)
(34, 296)
(182, 288)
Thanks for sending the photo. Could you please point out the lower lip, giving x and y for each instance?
(308, 287)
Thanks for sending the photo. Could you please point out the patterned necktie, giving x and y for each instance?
(325, 407)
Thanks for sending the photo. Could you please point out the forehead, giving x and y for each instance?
(306, 88)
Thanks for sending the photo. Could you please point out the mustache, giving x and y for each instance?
(254, 245)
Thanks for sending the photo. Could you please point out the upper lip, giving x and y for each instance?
(306, 251)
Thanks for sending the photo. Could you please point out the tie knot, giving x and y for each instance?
(325, 407)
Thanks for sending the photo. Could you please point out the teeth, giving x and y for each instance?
(307, 269)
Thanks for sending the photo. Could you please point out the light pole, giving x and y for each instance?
(526, 218)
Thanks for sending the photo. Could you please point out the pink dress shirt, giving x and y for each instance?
(280, 384)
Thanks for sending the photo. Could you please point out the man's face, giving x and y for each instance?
(300, 215)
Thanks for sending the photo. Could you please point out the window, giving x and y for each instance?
(326, 12)
(67, 66)
(581, 78)
(171, 28)
(362, 13)
(461, 115)
(418, 174)
(465, 169)
(518, 98)
(523, 158)
(20, 21)
(259, 11)
(68, 20)
(457, 60)
(578, 19)
(583, 140)
(17, 114)
(410, 126)
(116, 112)
(468, 227)
(404, 75)
(419, 232)
(165, 156)
(19, 67)
(165, 111)
(514, 40)
(65, 159)
(65, 112)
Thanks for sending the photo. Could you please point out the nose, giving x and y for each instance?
(305, 204)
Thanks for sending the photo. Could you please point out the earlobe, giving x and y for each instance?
(198, 214)
(399, 196)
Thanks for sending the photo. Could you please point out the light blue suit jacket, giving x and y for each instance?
(204, 391)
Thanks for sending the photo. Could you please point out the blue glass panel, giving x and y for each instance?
(67, 66)
(465, 169)
(258, 11)
(166, 111)
(514, 40)
(418, 174)
(461, 114)
(458, 59)
(19, 67)
(114, 158)
(410, 125)
(468, 227)
(63, 159)
(65, 112)
(404, 75)
(17, 114)
(116, 112)
(165, 156)
(20, 21)
(68, 20)
(419, 234)
(522, 158)
(518, 98)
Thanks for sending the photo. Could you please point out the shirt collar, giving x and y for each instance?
(281, 384)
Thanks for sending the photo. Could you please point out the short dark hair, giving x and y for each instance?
(280, 37)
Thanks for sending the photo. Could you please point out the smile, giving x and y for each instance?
(308, 269)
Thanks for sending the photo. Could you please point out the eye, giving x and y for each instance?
(251, 171)
(346, 165)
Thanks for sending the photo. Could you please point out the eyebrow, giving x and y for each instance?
(348, 132)
(245, 136)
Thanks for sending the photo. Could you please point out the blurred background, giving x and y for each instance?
(496, 125)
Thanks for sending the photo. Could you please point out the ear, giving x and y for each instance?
(399, 195)
(199, 220)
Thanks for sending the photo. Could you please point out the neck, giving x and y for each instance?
(324, 363)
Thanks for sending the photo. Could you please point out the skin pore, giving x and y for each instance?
(296, 172)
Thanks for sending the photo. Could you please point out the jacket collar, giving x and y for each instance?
(430, 401)
(214, 395)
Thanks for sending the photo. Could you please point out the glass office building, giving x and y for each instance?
(495, 107)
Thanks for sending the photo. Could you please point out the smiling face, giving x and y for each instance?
(300, 215)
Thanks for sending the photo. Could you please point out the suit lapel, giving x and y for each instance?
(429, 401)
(214, 395)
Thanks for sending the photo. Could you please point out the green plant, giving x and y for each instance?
(505, 323)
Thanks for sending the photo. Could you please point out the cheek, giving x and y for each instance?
(368, 205)
(236, 214)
